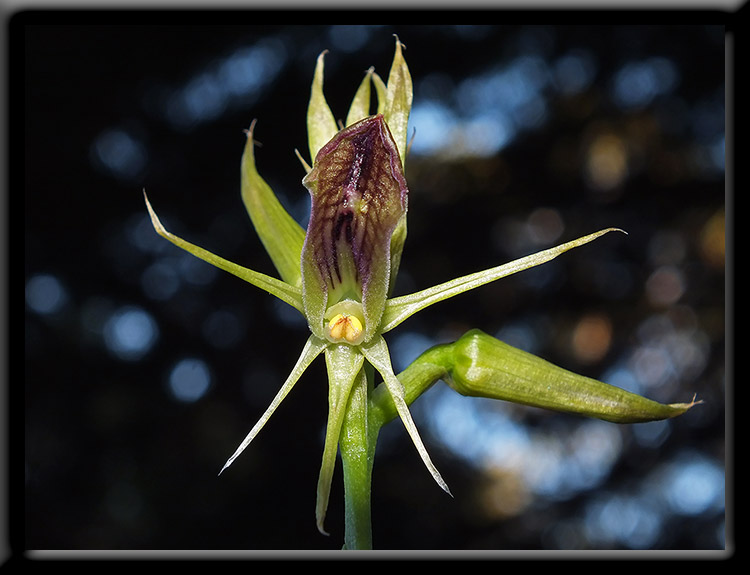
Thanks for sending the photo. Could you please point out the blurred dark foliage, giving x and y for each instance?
(113, 460)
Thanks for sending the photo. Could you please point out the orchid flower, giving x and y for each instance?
(339, 274)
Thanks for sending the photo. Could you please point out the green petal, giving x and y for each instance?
(359, 195)
(377, 354)
(281, 235)
(344, 363)
(321, 124)
(483, 366)
(382, 92)
(397, 97)
(400, 308)
(360, 107)
(399, 100)
(285, 292)
(312, 349)
(398, 239)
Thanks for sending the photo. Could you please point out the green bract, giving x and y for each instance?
(339, 275)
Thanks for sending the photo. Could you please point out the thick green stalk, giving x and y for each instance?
(357, 446)
(367, 412)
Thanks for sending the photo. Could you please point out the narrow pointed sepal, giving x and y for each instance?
(313, 347)
(483, 366)
(281, 235)
(321, 124)
(381, 90)
(360, 107)
(377, 354)
(359, 196)
(399, 98)
(285, 292)
(401, 308)
(344, 363)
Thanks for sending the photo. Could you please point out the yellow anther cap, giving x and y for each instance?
(345, 326)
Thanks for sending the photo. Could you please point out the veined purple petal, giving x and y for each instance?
(359, 194)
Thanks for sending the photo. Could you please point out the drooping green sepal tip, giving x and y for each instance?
(359, 196)
(281, 235)
(377, 354)
(484, 366)
(313, 347)
(285, 292)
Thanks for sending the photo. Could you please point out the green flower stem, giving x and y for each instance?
(344, 365)
(357, 447)
(368, 410)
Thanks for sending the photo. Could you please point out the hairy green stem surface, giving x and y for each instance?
(357, 445)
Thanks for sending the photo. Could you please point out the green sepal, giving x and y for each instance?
(398, 239)
(401, 308)
(394, 102)
(360, 107)
(281, 235)
(398, 103)
(381, 90)
(321, 124)
(313, 347)
(285, 292)
(376, 352)
(430, 367)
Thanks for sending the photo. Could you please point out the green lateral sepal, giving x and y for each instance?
(285, 292)
(313, 348)
(321, 124)
(281, 235)
(399, 96)
(401, 308)
(377, 354)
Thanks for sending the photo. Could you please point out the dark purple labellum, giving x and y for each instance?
(359, 194)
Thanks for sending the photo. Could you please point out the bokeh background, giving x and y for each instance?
(145, 367)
